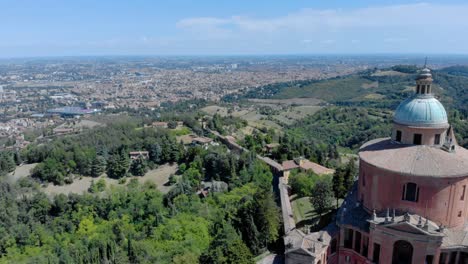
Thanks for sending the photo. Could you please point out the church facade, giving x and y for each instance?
(409, 204)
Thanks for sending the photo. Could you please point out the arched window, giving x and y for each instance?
(402, 252)
(410, 192)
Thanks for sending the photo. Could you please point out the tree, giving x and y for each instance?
(227, 247)
(7, 162)
(338, 185)
(350, 174)
(192, 175)
(333, 152)
(181, 234)
(302, 183)
(92, 187)
(118, 165)
(343, 180)
(83, 158)
(322, 195)
(248, 229)
(216, 123)
(139, 167)
(98, 166)
(99, 186)
(172, 124)
(267, 215)
(172, 179)
(51, 171)
(155, 153)
(182, 168)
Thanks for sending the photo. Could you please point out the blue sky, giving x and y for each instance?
(198, 27)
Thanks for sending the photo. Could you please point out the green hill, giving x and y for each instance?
(355, 88)
(376, 88)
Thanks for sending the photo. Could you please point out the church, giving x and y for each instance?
(409, 204)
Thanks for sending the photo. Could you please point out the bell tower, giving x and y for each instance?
(424, 82)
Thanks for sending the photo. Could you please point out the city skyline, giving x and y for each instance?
(56, 28)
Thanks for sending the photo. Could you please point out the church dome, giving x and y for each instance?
(421, 111)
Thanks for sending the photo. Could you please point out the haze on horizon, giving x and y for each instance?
(181, 27)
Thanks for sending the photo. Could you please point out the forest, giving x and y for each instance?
(136, 223)
(322, 136)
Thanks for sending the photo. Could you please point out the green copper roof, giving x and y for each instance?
(421, 111)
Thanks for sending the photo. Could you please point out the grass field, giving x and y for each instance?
(374, 96)
(370, 85)
(21, 172)
(304, 213)
(214, 109)
(288, 111)
(389, 73)
(180, 131)
(290, 101)
(159, 176)
(296, 113)
(302, 209)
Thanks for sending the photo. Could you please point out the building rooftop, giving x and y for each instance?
(202, 140)
(415, 160)
(455, 238)
(306, 164)
(71, 110)
(351, 212)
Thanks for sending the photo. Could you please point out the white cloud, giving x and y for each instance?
(201, 22)
(391, 28)
(421, 15)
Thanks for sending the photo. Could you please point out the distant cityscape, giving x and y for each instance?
(31, 89)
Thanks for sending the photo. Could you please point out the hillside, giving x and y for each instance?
(361, 95)
(377, 88)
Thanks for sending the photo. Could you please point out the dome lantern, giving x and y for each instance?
(424, 83)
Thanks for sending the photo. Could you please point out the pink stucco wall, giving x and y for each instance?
(386, 238)
(428, 134)
(353, 257)
(439, 198)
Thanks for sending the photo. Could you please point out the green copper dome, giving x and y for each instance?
(421, 111)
